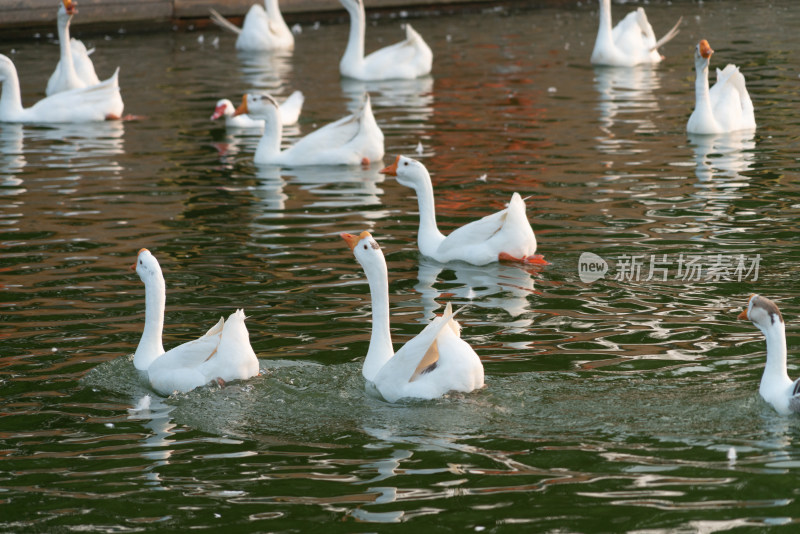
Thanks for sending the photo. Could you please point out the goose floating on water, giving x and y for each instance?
(75, 68)
(223, 353)
(407, 59)
(263, 29)
(353, 140)
(724, 108)
(776, 387)
(505, 235)
(631, 42)
(289, 113)
(434, 362)
(85, 104)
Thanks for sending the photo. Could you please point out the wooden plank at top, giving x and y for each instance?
(43, 12)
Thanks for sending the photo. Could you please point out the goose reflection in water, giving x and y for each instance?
(626, 100)
(413, 97)
(266, 71)
(12, 158)
(493, 286)
(723, 155)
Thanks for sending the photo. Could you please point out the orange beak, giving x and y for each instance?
(391, 170)
(743, 315)
(71, 6)
(705, 49)
(350, 239)
(242, 109)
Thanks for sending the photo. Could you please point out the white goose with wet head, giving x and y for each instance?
(434, 362)
(221, 354)
(776, 387)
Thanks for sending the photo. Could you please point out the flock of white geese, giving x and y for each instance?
(437, 360)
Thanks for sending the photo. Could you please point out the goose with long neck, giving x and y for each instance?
(263, 30)
(353, 140)
(289, 113)
(434, 362)
(776, 387)
(75, 68)
(725, 107)
(505, 235)
(631, 42)
(94, 103)
(223, 353)
(408, 59)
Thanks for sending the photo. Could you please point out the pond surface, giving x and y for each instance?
(611, 405)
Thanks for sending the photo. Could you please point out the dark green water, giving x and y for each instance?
(611, 406)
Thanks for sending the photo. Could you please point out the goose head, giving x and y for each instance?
(67, 8)
(223, 108)
(702, 54)
(366, 250)
(147, 267)
(763, 312)
(259, 106)
(408, 172)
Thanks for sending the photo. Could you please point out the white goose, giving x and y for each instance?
(223, 353)
(724, 108)
(776, 387)
(434, 362)
(75, 68)
(94, 103)
(289, 112)
(407, 59)
(505, 235)
(262, 30)
(353, 140)
(631, 42)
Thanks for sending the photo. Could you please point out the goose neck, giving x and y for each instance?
(775, 368)
(701, 91)
(65, 45)
(150, 345)
(10, 98)
(269, 146)
(354, 53)
(380, 343)
(428, 237)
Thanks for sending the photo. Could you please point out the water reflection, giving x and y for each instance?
(337, 187)
(12, 157)
(265, 71)
(492, 286)
(723, 155)
(413, 96)
(626, 98)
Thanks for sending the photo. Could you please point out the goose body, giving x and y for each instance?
(75, 68)
(726, 107)
(631, 42)
(505, 235)
(353, 140)
(434, 362)
(776, 387)
(289, 113)
(94, 103)
(263, 30)
(224, 352)
(408, 59)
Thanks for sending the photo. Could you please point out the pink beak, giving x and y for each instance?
(219, 111)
